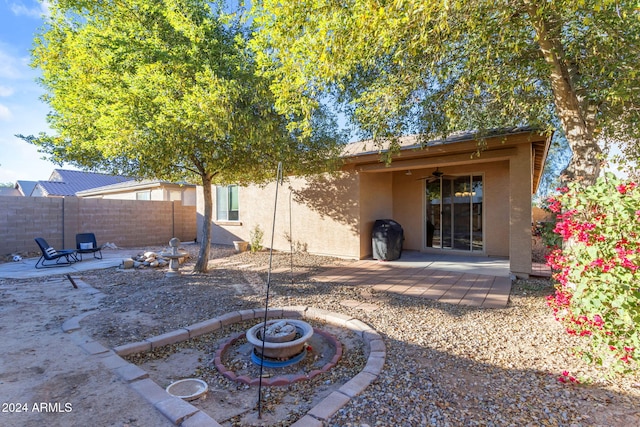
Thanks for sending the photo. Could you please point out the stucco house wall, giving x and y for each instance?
(320, 214)
(376, 202)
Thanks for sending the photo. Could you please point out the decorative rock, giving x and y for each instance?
(128, 263)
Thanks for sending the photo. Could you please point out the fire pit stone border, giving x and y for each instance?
(184, 412)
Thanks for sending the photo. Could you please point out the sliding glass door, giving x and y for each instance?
(454, 213)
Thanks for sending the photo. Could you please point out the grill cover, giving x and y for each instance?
(386, 238)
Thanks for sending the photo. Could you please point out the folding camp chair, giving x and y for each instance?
(86, 244)
(61, 257)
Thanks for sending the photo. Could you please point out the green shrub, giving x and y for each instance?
(255, 239)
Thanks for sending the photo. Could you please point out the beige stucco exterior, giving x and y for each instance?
(333, 214)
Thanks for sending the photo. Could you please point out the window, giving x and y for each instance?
(227, 203)
(143, 195)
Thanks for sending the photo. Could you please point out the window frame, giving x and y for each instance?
(227, 203)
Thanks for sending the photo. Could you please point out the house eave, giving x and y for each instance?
(148, 185)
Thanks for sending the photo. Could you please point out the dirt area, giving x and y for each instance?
(48, 380)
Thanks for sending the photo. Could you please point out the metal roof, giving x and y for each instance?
(65, 182)
(25, 187)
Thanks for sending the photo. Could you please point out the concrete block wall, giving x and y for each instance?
(21, 222)
(127, 223)
(185, 222)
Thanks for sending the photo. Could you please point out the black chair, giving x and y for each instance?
(86, 244)
(61, 257)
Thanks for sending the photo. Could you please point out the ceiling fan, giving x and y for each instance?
(435, 176)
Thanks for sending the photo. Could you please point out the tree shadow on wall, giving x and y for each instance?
(333, 196)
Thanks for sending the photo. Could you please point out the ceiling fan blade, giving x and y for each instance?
(429, 179)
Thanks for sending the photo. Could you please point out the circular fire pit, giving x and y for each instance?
(284, 339)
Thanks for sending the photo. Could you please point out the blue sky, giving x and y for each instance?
(21, 111)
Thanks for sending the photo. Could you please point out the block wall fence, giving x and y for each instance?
(127, 223)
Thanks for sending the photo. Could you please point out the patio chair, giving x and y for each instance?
(61, 257)
(86, 244)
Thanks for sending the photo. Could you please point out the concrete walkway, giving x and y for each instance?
(467, 280)
(26, 268)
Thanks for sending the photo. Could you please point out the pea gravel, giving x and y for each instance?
(445, 366)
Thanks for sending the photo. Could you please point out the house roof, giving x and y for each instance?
(413, 142)
(366, 154)
(68, 182)
(131, 185)
(25, 187)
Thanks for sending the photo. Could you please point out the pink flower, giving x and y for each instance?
(626, 263)
(554, 205)
(598, 322)
(622, 189)
(566, 376)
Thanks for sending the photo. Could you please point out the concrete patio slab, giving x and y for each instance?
(26, 268)
(453, 279)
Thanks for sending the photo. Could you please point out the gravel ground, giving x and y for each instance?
(446, 365)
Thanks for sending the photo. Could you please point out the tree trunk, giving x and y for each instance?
(202, 265)
(573, 110)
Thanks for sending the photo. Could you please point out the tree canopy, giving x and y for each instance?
(434, 67)
(166, 89)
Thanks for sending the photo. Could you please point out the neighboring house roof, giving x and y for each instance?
(68, 182)
(25, 187)
(9, 191)
(131, 185)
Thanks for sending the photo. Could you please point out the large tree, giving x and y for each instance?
(165, 89)
(434, 67)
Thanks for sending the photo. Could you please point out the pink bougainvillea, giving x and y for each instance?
(597, 271)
